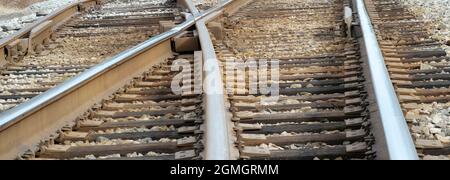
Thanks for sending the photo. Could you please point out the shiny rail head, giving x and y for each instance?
(398, 138)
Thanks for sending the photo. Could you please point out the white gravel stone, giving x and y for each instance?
(437, 11)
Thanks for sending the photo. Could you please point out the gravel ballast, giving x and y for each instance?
(12, 21)
(435, 11)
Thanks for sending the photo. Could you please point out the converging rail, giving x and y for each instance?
(53, 52)
(125, 107)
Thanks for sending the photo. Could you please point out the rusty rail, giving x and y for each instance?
(24, 126)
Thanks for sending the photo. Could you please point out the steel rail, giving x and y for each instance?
(10, 117)
(398, 138)
(14, 115)
(24, 31)
(217, 137)
(21, 112)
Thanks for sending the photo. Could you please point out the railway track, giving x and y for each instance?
(143, 121)
(84, 41)
(205, 4)
(419, 68)
(125, 107)
(322, 109)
